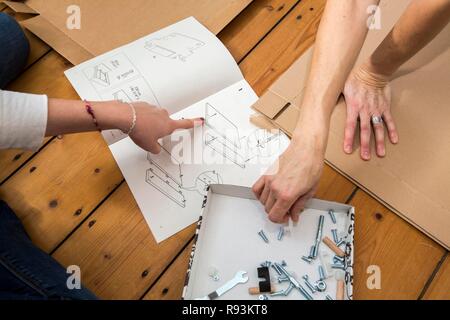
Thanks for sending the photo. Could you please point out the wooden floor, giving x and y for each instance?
(77, 207)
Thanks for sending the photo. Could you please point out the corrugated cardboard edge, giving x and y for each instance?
(57, 40)
(19, 7)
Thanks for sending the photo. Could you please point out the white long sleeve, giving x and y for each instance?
(23, 120)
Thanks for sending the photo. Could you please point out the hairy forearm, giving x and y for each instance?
(70, 116)
(420, 24)
(339, 40)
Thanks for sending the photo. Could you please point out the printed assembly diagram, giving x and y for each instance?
(165, 174)
(174, 46)
(117, 78)
(225, 138)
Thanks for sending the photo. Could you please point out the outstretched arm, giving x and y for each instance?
(367, 91)
(339, 40)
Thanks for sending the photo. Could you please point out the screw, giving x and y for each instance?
(280, 234)
(308, 284)
(337, 259)
(335, 235)
(322, 273)
(278, 293)
(306, 259)
(263, 297)
(328, 297)
(263, 236)
(318, 237)
(282, 279)
(332, 216)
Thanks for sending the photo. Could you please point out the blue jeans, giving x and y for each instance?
(26, 272)
(14, 49)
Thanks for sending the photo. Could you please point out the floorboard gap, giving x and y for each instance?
(432, 276)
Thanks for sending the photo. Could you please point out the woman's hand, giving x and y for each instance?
(291, 182)
(368, 98)
(154, 123)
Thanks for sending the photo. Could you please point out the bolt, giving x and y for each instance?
(289, 289)
(322, 273)
(337, 259)
(282, 279)
(338, 266)
(308, 284)
(275, 267)
(335, 235)
(280, 234)
(311, 252)
(340, 243)
(306, 259)
(318, 237)
(278, 293)
(332, 216)
(328, 297)
(263, 236)
(305, 293)
(263, 297)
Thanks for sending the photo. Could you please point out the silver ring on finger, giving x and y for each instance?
(377, 120)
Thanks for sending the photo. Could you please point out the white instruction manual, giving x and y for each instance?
(185, 69)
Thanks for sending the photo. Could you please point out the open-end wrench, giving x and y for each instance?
(240, 277)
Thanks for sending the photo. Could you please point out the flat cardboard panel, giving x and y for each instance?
(228, 241)
(108, 24)
(414, 178)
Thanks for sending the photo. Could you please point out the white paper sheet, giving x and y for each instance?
(187, 70)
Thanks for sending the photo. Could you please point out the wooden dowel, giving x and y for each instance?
(330, 244)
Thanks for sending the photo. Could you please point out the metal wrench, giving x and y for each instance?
(240, 277)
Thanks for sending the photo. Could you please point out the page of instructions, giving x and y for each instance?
(170, 187)
(172, 68)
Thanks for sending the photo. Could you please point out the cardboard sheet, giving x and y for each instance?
(108, 24)
(414, 178)
(185, 69)
(244, 250)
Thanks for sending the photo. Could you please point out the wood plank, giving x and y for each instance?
(440, 286)
(55, 191)
(288, 41)
(170, 286)
(406, 256)
(119, 284)
(259, 18)
(2, 6)
(116, 252)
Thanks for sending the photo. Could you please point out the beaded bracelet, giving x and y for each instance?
(133, 123)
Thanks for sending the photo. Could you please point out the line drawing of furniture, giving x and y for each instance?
(122, 96)
(168, 179)
(264, 143)
(101, 75)
(174, 46)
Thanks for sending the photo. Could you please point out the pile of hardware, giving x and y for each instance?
(334, 266)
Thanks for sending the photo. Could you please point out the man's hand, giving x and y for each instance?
(367, 95)
(153, 124)
(291, 182)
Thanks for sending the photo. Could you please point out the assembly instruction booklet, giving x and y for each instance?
(185, 69)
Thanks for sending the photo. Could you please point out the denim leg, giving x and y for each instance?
(14, 49)
(26, 272)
